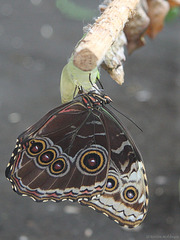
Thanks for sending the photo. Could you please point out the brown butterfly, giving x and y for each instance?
(81, 152)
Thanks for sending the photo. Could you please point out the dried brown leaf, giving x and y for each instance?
(136, 28)
(174, 3)
(157, 12)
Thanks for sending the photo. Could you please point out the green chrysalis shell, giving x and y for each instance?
(72, 78)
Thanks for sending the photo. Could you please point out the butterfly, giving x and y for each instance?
(81, 152)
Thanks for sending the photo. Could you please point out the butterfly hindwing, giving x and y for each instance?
(125, 197)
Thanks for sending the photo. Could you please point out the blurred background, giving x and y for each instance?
(36, 40)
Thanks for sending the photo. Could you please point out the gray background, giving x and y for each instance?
(31, 59)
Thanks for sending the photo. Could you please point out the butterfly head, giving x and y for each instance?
(93, 99)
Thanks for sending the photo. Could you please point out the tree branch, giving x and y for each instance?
(93, 47)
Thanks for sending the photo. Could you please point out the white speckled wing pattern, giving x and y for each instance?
(114, 205)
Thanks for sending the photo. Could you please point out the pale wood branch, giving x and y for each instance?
(92, 49)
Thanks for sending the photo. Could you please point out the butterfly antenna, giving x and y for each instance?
(126, 117)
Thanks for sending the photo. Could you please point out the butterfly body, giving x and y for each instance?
(81, 152)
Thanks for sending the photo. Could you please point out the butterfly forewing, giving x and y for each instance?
(63, 156)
